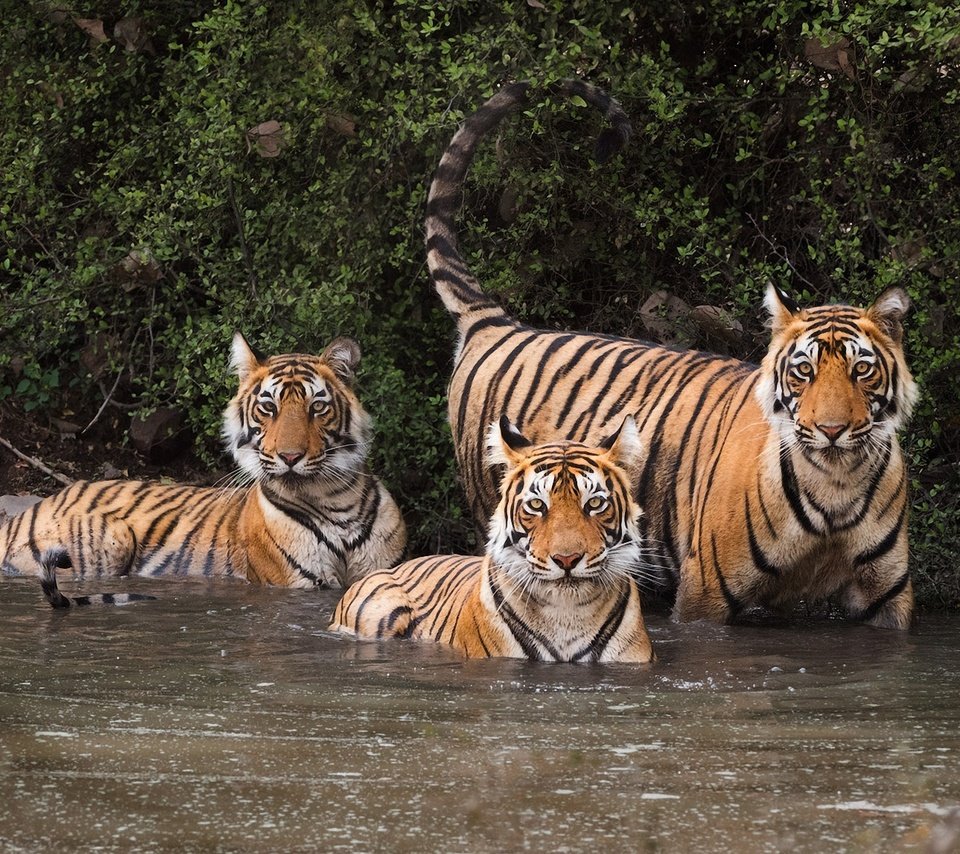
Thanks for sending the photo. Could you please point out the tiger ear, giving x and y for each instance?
(888, 311)
(781, 307)
(624, 446)
(504, 443)
(243, 358)
(343, 355)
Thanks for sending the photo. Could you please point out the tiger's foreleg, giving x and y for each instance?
(376, 607)
(702, 594)
(881, 593)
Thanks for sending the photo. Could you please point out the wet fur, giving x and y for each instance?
(555, 583)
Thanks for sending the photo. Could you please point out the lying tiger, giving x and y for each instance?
(556, 583)
(761, 485)
(314, 514)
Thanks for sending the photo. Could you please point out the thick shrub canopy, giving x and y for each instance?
(174, 171)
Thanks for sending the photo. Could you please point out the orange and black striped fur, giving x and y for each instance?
(762, 485)
(556, 583)
(311, 513)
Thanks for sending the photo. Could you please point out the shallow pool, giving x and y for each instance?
(224, 717)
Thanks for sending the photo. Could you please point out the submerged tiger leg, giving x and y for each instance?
(703, 593)
(881, 593)
(375, 607)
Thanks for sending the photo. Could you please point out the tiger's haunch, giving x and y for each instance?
(311, 514)
(555, 584)
(761, 485)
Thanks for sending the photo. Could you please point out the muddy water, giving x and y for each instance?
(226, 718)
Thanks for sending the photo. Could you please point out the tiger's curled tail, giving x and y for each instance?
(53, 558)
(457, 286)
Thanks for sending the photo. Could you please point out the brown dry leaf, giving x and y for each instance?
(266, 138)
(843, 59)
(910, 252)
(132, 35)
(137, 268)
(343, 125)
(51, 93)
(66, 428)
(835, 56)
(93, 27)
(57, 14)
(95, 356)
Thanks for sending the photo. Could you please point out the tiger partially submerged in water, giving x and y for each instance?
(314, 514)
(761, 485)
(556, 582)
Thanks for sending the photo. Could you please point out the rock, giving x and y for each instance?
(111, 472)
(161, 435)
(665, 317)
(720, 329)
(13, 505)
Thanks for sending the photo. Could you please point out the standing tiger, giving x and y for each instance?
(314, 514)
(762, 485)
(556, 582)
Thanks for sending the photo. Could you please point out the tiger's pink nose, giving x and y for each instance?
(567, 562)
(832, 431)
(291, 458)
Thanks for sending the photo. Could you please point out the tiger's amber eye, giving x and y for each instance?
(862, 370)
(804, 369)
(536, 505)
(318, 407)
(267, 408)
(596, 503)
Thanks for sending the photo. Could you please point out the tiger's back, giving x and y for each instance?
(429, 598)
(130, 527)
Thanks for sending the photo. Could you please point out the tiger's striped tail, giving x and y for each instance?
(50, 560)
(458, 287)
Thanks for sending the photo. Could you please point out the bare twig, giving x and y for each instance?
(108, 397)
(103, 405)
(782, 253)
(36, 463)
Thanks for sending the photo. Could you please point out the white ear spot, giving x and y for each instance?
(888, 311)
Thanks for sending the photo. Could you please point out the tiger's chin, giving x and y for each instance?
(293, 482)
(838, 456)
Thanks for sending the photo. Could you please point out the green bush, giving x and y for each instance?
(141, 223)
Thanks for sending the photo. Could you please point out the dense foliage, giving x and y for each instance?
(170, 172)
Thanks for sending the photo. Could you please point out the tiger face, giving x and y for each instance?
(835, 381)
(567, 518)
(294, 417)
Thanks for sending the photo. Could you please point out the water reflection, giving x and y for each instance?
(226, 717)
